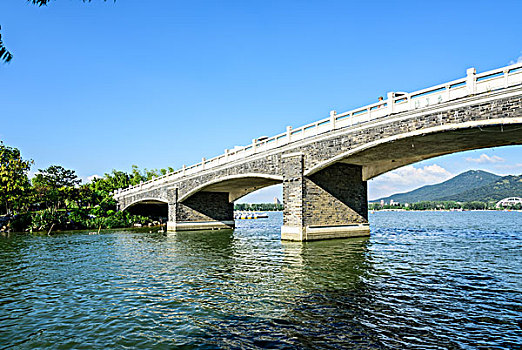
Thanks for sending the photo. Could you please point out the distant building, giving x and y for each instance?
(509, 202)
(276, 200)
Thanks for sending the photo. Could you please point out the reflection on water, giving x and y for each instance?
(422, 280)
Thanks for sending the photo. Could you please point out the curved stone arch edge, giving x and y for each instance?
(226, 178)
(433, 130)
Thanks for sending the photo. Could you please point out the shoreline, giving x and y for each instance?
(442, 210)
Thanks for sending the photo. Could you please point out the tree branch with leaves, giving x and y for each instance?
(14, 182)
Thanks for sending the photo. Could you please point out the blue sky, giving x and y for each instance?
(102, 86)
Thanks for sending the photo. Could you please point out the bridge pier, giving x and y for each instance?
(202, 211)
(331, 203)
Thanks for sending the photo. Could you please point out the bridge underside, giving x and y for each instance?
(202, 211)
(240, 187)
(212, 206)
(394, 154)
(153, 209)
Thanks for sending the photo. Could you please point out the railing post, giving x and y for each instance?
(506, 82)
(254, 145)
(184, 169)
(391, 96)
(470, 80)
(288, 133)
(333, 117)
(203, 163)
(226, 154)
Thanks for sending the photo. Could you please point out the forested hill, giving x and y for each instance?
(507, 186)
(473, 185)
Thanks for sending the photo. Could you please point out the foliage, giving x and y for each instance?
(56, 186)
(112, 219)
(14, 183)
(45, 219)
(507, 186)
(58, 199)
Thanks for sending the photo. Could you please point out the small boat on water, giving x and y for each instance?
(249, 215)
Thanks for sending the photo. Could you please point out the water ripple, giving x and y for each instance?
(422, 280)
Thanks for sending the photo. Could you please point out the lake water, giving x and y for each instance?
(423, 280)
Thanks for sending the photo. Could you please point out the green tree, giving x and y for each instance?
(136, 176)
(14, 183)
(101, 189)
(57, 185)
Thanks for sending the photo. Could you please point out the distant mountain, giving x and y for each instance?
(468, 186)
(507, 186)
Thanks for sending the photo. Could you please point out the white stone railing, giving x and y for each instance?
(395, 103)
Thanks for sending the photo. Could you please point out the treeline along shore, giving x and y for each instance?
(443, 205)
(56, 199)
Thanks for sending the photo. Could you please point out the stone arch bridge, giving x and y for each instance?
(324, 166)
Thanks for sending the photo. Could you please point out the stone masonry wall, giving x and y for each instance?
(292, 167)
(205, 206)
(335, 196)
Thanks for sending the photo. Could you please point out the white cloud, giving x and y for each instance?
(92, 177)
(406, 179)
(484, 158)
(519, 59)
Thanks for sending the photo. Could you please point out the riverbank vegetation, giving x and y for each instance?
(258, 207)
(442, 205)
(56, 199)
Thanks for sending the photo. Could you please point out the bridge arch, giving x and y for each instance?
(236, 186)
(381, 155)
